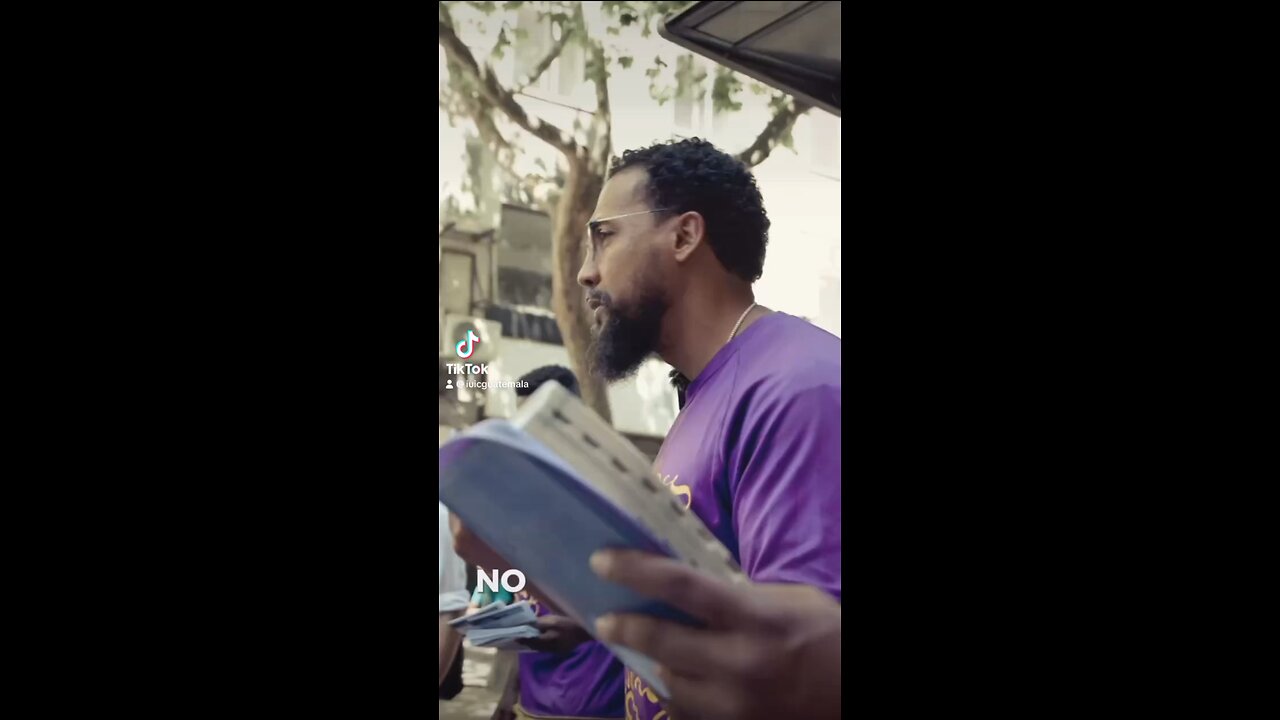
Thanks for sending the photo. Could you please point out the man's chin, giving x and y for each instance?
(620, 343)
(611, 368)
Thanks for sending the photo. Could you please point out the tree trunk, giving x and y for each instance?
(578, 201)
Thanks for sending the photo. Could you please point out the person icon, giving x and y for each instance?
(448, 384)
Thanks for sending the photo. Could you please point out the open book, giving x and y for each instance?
(555, 484)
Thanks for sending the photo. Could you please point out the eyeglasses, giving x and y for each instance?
(617, 217)
(593, 225)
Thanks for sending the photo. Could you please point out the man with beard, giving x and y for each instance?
(677, 239)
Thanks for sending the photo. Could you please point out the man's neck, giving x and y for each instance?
(699, 326)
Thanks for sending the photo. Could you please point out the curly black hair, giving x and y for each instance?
(693, 175)
(553, 373)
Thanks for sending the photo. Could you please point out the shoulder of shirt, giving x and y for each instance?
(790, 358)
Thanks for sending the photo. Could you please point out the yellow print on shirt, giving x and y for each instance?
(636, 688)
(681, 491)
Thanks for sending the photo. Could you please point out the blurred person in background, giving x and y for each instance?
(504, 662)
(481, 599)
(571, 675)
(453, 601)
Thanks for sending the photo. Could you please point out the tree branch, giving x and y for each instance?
(599, 133)
(528, 183)
(767, 140)
(484, 121)
(545, 63)
(492, 91)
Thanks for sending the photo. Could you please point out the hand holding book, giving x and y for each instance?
(756, 638)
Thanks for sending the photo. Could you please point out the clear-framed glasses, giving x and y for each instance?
(594, 225)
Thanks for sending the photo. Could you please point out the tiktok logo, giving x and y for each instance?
(471, 341)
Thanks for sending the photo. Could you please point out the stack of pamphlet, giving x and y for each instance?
(499, 626)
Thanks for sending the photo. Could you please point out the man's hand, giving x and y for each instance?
(768, 651)
(560, 635)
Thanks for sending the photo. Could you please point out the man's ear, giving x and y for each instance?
(691, 232)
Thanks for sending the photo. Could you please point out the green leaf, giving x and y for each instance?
(724, 90)
(613, 30)
(625, 62)
(786, 141)
(511, 5)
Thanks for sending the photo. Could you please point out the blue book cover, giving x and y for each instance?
(535, 511)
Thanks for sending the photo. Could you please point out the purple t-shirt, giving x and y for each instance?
(586, 683)
(756, 454)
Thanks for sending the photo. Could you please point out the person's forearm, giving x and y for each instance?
(450, 641)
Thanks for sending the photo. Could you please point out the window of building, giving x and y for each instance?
(456, 290)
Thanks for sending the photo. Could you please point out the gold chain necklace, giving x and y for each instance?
(735, 327)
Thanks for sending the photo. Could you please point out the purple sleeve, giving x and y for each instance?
(786, 491)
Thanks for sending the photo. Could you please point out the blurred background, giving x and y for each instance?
(536, 97)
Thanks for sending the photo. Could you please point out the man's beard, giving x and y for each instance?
(628, 335)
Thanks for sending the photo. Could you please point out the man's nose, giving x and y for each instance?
(588, 275)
